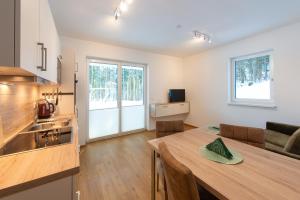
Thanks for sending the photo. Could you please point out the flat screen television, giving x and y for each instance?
(176, 95)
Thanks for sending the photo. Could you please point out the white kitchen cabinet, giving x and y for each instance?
(7, 38)
(50, 40)
(28, 56)
(19, 34)
(163, 110)
(30, 40)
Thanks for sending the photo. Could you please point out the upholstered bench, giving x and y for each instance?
(249, 135)
(283, 139)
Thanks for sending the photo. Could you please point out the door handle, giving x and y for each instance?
(41, 67)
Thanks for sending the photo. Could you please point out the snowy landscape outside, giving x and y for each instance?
(252, 78)
(103, 92)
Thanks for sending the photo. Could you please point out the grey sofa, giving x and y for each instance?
(283, 139)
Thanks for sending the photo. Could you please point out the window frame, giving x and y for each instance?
(268, 103)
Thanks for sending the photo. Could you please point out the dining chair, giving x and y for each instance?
(165, 128)
(180, 181)
(248, 135)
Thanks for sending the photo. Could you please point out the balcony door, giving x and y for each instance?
(116, 98)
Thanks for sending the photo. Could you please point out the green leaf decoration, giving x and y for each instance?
(220, 148)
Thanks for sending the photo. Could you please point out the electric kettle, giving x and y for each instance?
(45, 109)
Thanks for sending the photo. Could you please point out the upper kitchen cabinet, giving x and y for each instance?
(49, 38)
(7, 39)
(29, 38)
(27, 51)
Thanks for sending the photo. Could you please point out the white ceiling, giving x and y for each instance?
(151, 24)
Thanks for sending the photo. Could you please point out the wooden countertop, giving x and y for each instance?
(29, 169)
(262, 174)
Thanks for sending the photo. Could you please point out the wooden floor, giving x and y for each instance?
(117, 169)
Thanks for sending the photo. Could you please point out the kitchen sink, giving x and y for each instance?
(39, 121)
(42, 136)
(50, 125)
(38, 127)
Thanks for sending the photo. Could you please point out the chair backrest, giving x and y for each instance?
(180, 181)
(249, 135)
(164, 128)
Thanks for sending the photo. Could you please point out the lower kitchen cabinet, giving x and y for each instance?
(62, 189)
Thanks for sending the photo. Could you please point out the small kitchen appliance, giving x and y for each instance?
(45, 109)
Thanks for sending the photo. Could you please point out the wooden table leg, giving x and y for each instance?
(153, 182)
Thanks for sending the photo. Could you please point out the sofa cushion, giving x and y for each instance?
(293, 144)
(282, 128)
(276, 138)
(273, 147)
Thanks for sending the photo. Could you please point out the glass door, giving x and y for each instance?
(103, 99)
(133, 107)
(116, 98)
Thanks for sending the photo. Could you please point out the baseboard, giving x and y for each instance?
(188, 124)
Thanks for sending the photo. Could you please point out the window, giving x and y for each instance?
(251, 80)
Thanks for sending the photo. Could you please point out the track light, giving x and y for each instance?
(117, 14)
(198, 36)
(123, 7)
(129, 1)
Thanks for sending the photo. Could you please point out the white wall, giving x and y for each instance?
(164, 72)
(65, 102)
(206, 81)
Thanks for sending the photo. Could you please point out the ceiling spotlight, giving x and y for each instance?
(198, 36)
(123, 6)
(129, 1)
(117, 14)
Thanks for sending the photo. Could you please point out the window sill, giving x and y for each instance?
(257, 105)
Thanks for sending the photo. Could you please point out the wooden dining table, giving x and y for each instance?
(261, 175)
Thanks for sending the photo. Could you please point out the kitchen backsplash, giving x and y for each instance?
(17, 107)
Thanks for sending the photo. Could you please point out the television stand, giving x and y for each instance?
(169, 109)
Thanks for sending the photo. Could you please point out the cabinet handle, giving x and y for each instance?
(45, 69)
(42, 52)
